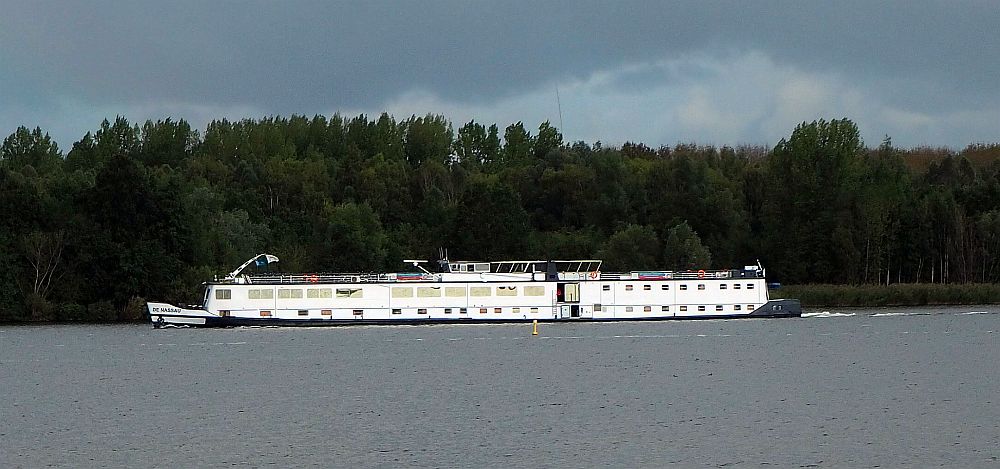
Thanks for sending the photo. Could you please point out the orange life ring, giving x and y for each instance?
(701, 274)
(313, 278)
(593, 274)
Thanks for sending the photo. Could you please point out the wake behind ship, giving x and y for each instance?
(469, 292)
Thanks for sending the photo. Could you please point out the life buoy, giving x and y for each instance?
(701, 274)
(313, 278)
(593, 274)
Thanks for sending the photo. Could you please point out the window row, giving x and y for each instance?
(666, 308)
(460, 292)
(290, 293)
(701, 286)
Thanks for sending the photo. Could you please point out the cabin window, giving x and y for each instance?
(326, 312)
(479, 291)
(516, 310)
(647, 287)
(224, 294)
(606, 287)
(498, 310)
(224, 313)
(738, 307)
(265, 313)
(749, 307)
(701, 286)
(397, 311)
(463, 311)
(684, 308)
(482, 310)
(736, 286)
(597, 307)
(664, 308)
(749, 286)
(429, 292)
(628, 287)
(534, 291)
(647, 309)
(402, 292)
(684, 287)
(534, 310)
(358, 312)
(447, 311)
(718, 307)
(422, 311)
(506, 291)
(454, 291)
(701, 308)
(350, 293)
(319, 293)
(722, 286)
(664, 287)
(286, 293)
(628, 309)
(303, 312)
(260, 294)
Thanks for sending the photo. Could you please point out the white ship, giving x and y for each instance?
(469, 292)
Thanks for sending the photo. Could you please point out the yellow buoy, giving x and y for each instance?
(534, 327)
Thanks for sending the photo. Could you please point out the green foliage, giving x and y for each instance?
(152, 210)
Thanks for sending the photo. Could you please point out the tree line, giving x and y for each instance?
(134, 212)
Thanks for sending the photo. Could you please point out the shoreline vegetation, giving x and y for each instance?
(898, 294)
(136, 211)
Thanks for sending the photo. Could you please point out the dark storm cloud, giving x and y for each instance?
(919, 56)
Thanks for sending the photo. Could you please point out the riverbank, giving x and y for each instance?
(900, 294)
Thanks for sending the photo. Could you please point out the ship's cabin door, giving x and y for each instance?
(568, 298)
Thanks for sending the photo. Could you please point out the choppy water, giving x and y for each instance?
(846, 388)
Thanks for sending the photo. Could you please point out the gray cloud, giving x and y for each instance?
(922, 68)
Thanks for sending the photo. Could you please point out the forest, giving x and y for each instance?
(134, 212)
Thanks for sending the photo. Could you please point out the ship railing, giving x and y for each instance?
(322, 278)
(667, 275)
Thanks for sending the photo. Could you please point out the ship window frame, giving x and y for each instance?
(397, 311)
(224, 313)
(647, 287)
(508, 290)
(314, 293)
(749, 286)
(628, 287)
(534, 290)
(737, 307)
(597, 307)
(401, 292)
(265, 313)
(647, 309)
(447, 311)
(303, 312)
(483, 310)
(684, 308)
(516, 310)
(665, 287)
(223, 293)
(683, 286)
(750, 308)
(421, 310)
(428, 292)
(736, 286)
(463, 311)
(605, 287)
(722, 286)
(628, 309)
(498, 310)
(718, 307)
(534, 310)
(350, 293)
(455, 292)
(358, 312)
(326, 312)
(289, 293)
(664, 308)
(701, 286)
(701, 308)
(480, 292)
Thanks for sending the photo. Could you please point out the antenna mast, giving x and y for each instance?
(559, 104)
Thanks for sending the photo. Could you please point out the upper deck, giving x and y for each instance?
(497, 271)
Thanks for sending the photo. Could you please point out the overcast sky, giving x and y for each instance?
(660, 72)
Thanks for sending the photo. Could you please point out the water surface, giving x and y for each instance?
(896, 387)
